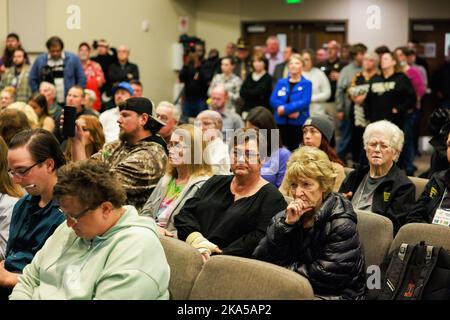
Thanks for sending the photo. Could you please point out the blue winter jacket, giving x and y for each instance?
(73, 72)
(300, 98)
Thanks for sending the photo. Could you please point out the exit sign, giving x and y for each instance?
(293, 1)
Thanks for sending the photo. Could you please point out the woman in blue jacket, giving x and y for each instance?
(290, 100)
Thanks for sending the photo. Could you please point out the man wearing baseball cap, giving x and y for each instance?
(108, 118)
(138, 157)
(243, 61)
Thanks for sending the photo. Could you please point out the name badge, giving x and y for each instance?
(72, 277)
(282, 92)
(442, 217)
(300, 88)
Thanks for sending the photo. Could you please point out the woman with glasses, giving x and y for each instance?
(230, 214)
(9, 194)
(381, 187)
(316, 236)
(186, 172)
(105, 250)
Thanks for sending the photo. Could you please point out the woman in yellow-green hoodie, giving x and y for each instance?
(103, 251)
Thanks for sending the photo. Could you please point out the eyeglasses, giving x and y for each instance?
(22, 173)
(176, 145)
(247, 154)
(74, 218)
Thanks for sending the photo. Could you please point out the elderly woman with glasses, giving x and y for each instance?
(316, 236)
(381, 187)
(186, 172)
(103, 251)
(230, 213)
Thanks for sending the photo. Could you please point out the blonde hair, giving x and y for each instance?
(193, 137)
(7, 186)
(297, 56)
(32, 117)
(311, 163)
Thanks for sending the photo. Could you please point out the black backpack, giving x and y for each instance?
(417, 272)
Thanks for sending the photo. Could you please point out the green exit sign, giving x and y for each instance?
(293, 1)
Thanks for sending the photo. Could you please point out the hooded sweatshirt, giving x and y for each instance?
(126, 262)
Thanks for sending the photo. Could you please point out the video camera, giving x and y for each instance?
(189, 43)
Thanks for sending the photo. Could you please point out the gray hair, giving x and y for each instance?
(372, 56)
(213, 115)
(175, 113)
(47, 84)
(387, 129)
(90, 94)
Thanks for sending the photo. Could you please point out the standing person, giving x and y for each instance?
(11, 45)
(106, 56)
(357, 92)
(184, 176)
(243, 205)
(10, 192)
(103, 251)
(34, 156)
(316, 236)
(95, 78)
(39, 104)
(231, 82)
(123, 69)
(321, 57)
(273, 54)
(257, 87)
(282, 69)
(274, 166)
(342, 100)
(290, 100)
(243, 65)
(195, 86)
(414, 75)
(321, 89)
(391, 93)
(62, 68)
(17, 76)
(332, 68)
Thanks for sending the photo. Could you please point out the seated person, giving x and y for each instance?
(185, 174)
(316, 236)
(274, 166)
(93, 136)
(216, 153)
(103, 251)
(33, 159)
(230, 214)
(381, 187)
(318, 132)
(434, 202)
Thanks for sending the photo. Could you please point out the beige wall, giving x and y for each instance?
(3, 21)
(220, 21)
(120, 23)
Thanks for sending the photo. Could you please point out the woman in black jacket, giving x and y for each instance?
(316, 235)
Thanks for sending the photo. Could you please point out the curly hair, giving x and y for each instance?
(91, 182)
(311, 163)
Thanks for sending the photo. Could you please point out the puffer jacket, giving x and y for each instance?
(329, 255)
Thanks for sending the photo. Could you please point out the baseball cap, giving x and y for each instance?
(125, 86)
(142, 105)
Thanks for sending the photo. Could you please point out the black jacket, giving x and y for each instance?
(425, 207)
(256, 93)
(195, 82)
(329, 254)
(118, 73)
(392, 198)
(385, 94)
